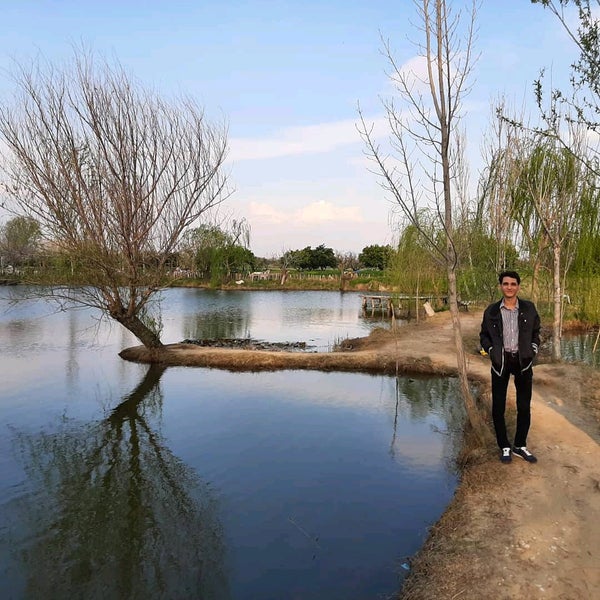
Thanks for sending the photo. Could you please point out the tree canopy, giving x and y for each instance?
(19, 240)
(375, 256)
(312, 258)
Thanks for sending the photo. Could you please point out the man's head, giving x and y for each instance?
(511, 274)
(510, 284)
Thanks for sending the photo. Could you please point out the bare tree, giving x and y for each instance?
(114, 174)
(494, 207)
(285, 263)
(346, 262)
(419, 168)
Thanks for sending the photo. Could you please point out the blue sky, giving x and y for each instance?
(287, 76)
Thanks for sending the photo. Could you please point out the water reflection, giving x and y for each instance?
(216, 324)
(416, 400)
(580, 348)
(114, 514)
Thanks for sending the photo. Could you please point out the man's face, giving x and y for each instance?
(510, 287)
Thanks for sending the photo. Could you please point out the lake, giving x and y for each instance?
(123, 481)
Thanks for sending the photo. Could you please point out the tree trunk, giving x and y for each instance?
(537, 265)
(141, 331)
(451, 262)
(535, 279)
(417, 300)
(557, 321)
(470, 406)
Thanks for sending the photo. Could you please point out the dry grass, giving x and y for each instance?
(452, 563)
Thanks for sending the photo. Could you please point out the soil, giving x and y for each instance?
(512, 531)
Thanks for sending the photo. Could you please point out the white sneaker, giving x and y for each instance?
(524, 454)
(505, 457)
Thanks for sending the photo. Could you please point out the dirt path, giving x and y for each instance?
(521, 530)
(512, 531)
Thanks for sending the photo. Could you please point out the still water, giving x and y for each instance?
(318, 318)
(119, 481)
(580, 348)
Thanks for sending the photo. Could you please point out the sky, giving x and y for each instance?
(287, 78)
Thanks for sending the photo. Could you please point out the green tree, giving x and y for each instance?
(413, 268)
(552, 181)
(218, 252)
(19, 240)
(375, 256)
(115, 175)
(309, 258)
(477, 277)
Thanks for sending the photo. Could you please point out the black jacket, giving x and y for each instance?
(492, 341)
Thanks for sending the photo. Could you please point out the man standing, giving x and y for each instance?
(510, 334)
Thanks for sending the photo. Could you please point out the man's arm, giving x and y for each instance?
(484, 336)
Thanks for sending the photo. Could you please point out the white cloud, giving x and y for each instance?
(414, 72)
(321, 211)
(314, 213)
(309, 139)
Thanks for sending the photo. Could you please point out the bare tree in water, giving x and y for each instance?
(114, 175)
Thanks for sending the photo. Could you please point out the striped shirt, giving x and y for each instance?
(510, 327)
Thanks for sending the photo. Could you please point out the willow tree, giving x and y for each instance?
(515, 215)
(416, 272)
(550, 182)
(114, 174)
(418, 168)
(585, 270)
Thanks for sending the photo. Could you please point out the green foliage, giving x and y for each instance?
(375, 256)
(584, 294)
(218, 254)
(309, 258)
(477, 274)
(19, 240)
(413, 267)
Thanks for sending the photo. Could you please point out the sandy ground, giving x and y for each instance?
(512, 531)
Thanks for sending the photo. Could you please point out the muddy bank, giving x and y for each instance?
(251, 344)
(383, 351)
(268, 360)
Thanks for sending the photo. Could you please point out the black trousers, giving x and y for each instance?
(523, 386)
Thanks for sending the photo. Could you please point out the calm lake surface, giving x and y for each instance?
(119, 481)
(318, 318)
(580, 348)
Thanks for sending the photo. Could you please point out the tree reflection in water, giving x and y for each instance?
(115, 514)
(418, 397)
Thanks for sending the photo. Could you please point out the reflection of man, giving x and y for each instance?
(510, 334)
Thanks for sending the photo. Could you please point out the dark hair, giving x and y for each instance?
(512, 274)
